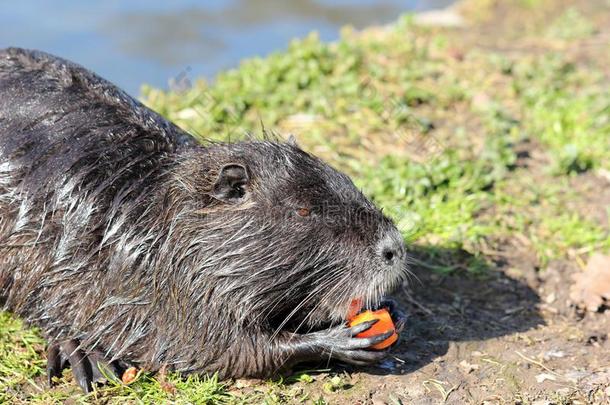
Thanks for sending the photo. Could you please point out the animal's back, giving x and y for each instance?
(55, 114)
(73, 149)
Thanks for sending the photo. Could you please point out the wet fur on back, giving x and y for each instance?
(121, 232)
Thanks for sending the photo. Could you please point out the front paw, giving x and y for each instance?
(340, 343)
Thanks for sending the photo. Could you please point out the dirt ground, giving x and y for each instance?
(512, 337)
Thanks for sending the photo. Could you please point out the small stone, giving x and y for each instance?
(243, 383)
(577, 375)
(467, 367)
(540, 378)
(554, 354)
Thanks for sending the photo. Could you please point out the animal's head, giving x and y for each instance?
(289, 235)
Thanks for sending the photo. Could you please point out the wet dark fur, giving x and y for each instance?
(120, 232)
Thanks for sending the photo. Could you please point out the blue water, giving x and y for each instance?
(140, 41)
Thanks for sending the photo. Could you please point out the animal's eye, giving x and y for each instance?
(303, 212)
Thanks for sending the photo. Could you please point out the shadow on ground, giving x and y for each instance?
(449, 302)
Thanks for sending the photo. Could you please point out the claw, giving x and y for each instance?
(99, 364)
(54, 366)
(81, 368)
(373, 340)
(361, 327)
(86, 367)
(367, 342)
(360, 357)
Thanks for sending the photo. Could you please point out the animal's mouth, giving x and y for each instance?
(358, 305)
(308, 320)
(335, 310)
(355, 307)
(369, 298)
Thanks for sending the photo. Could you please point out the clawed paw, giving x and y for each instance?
(340, 343)
(86, 366)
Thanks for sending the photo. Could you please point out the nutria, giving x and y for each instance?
(128, 243)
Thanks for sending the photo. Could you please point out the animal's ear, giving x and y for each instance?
(231, 182)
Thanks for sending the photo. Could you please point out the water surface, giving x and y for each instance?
(140, 41)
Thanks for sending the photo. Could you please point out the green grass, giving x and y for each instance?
(437, 199)
(430, 128)
(571, 25)
(20, 360)
(568, 110)
(22, 376)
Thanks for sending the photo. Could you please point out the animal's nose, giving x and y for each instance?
(392, 249)
(389, 255)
